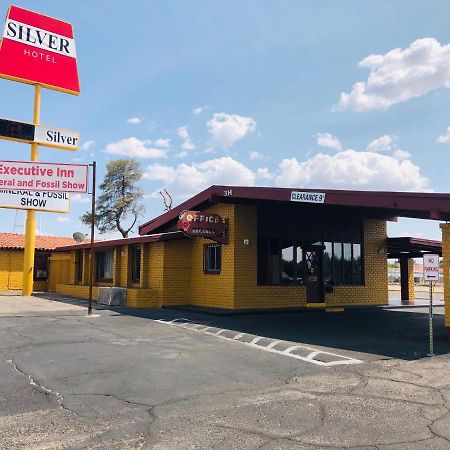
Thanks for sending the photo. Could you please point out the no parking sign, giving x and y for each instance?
(431, 267)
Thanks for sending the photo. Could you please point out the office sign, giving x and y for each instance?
(39, 201)
(431, 267)
(200, 224)
(37, 49)
(46, 136)
(38, 176)
(308, 197)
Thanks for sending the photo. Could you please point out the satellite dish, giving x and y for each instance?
(79, 237)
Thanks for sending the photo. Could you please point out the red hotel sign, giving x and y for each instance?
(38, 176)
(200, 224)
(37, 49)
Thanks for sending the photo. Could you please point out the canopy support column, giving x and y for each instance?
(407, 279)
(445, 227)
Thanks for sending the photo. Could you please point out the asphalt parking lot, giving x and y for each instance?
(171, 379)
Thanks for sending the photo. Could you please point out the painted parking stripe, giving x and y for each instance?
(312, 355)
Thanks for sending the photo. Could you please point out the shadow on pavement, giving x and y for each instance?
(387, 333)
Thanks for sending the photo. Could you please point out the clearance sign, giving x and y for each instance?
(38, 49)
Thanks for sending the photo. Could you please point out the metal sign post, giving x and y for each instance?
(91, 250)
(430, 321)
(431, 273)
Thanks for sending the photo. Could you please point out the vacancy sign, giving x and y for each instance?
(38, 49)
(431, 267)
(39, 201)
(37, 176)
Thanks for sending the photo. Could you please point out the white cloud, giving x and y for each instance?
(184, 134)
(134, 148)
(181, 154)
(189, 179)
(444, 138)
(162, 143)
(64, 219)
(382, 144)
(226, 129)
(264, 173)
(78, 198)
(352, 170)
(328, 140)
(399, 75)
(401, 154)
(199, 110)
(254, 155)
(134, 120)
(87, 145)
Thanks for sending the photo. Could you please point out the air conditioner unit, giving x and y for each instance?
(112, 296)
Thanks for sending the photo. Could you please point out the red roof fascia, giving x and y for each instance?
(403, 204)
(17, 241)
(125, 241)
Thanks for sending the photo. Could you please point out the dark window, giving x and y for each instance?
(280, 262)
(357, 264)
(342, 263)
(348, 270)
(104, 265)
(287, 262)
(263, 261)
(40, 267)
(79, 266)
(136, 263)
(300, 268)
(328, 262)
(212, 258)
(274, 261)
(337, 263)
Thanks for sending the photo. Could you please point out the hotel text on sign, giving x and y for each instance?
(37, 49)
(431, 267)
(35, 176)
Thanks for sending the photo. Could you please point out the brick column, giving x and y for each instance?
(445, 227)
(407, 279)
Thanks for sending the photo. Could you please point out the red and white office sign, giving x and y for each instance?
(38, 176)
(38, 49)
(431, 267)
(200, 224)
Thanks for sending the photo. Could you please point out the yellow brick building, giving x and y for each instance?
(279, 248)
(11, 260)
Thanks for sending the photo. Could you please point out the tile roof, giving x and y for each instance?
(17, 241)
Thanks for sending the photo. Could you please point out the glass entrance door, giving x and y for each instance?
(314, 275)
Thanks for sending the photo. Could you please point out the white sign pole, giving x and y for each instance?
(431, 273)
(430, 321)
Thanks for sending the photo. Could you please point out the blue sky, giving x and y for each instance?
(325, 94)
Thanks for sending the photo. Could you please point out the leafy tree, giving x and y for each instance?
(120, 198)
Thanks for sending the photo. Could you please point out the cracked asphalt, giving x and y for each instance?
(123, 380)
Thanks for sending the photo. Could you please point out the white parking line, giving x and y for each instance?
(310, 357)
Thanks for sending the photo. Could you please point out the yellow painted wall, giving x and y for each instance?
(11, 271)
(214, 290)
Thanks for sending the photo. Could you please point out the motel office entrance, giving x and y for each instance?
(309, 247)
